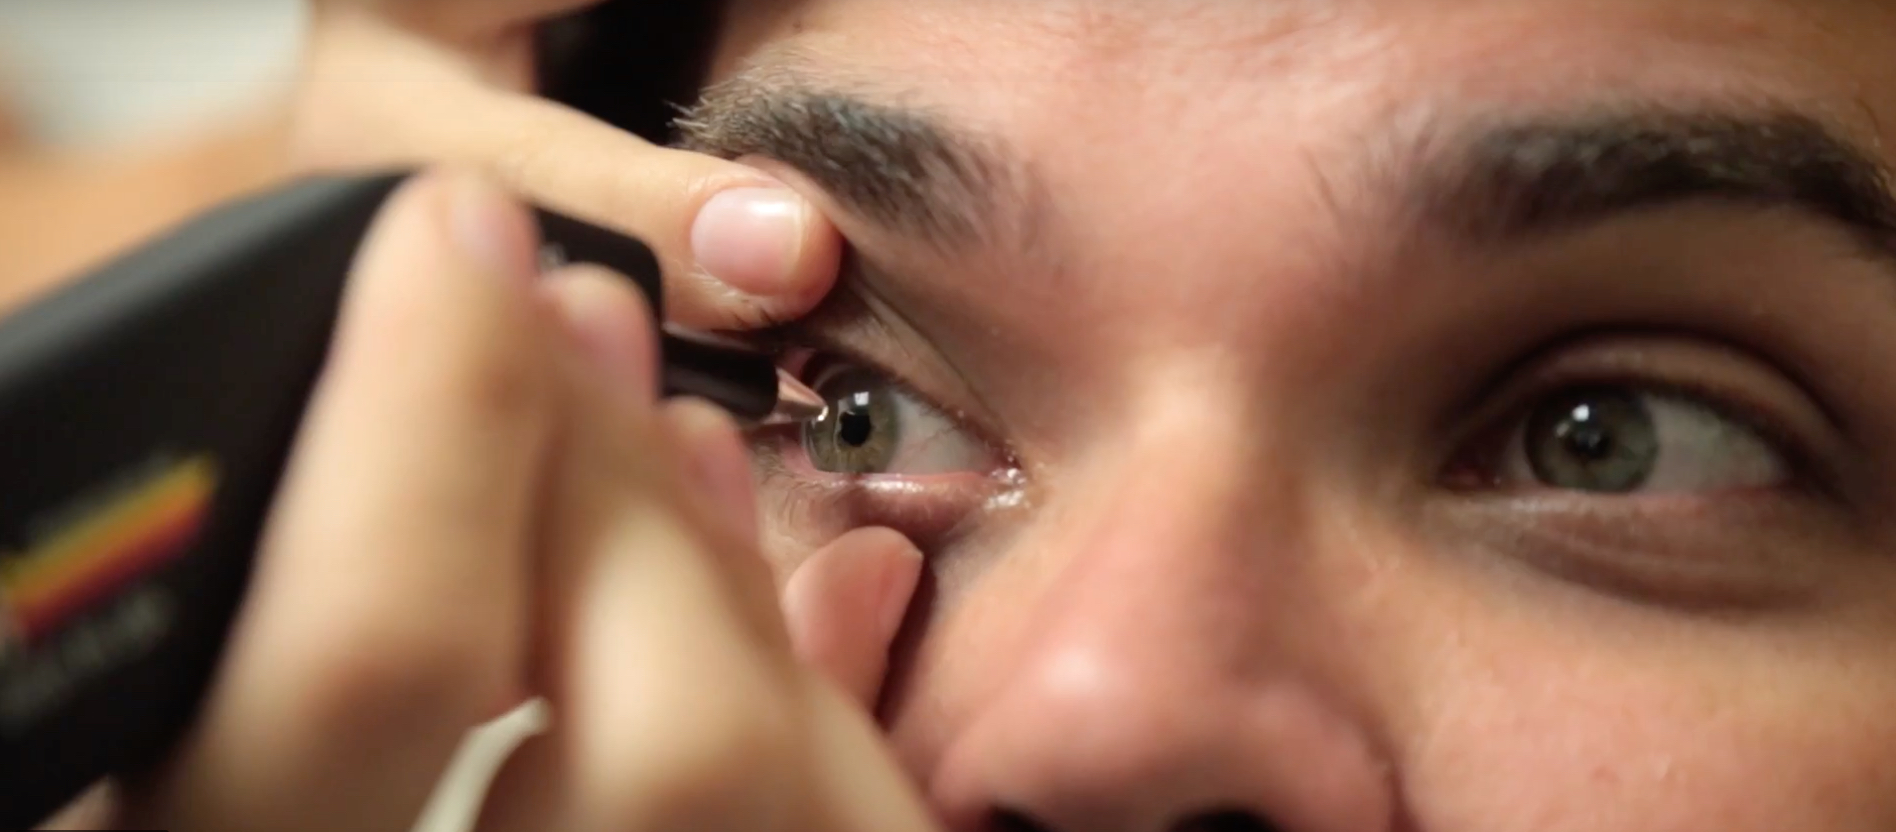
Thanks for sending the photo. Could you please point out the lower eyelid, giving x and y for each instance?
(828, 503)
(1743, 551)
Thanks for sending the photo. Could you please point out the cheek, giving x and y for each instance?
(1564, 735)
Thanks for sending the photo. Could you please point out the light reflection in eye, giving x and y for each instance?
(874, 426)
(1622, 440)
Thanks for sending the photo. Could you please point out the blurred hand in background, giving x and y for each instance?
(120, 118)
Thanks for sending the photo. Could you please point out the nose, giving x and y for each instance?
(1175, 677)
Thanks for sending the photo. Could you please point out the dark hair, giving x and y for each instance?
(631, 63)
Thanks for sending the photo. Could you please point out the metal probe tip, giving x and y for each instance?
(796, 402)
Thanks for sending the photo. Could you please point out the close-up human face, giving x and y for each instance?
(1463, 415)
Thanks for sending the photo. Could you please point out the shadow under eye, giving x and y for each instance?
(1682, 551)
(1658, 469)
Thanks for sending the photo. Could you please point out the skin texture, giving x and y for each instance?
(554, 531)
(1225, 514)
(1231, 576)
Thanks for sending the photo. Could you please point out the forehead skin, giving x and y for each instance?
(1217, 121)
(1238, 150)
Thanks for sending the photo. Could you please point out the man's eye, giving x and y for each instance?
(874, 426)
(1623, 440)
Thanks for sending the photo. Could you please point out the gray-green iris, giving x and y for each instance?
(860, 432)
(1593, 439)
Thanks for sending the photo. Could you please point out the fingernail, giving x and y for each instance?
(718, 464)
(492, 228)
(750, 237)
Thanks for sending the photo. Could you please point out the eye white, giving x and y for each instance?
(929, 442)
(1700, 450)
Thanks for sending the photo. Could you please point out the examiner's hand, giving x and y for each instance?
(487, 502)
(392, 82)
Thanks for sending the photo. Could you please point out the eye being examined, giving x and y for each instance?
(1608, 439)
(875, 426)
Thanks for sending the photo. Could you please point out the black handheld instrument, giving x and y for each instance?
(146, 413)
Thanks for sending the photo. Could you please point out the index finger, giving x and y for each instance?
(656, 657)
(740, 249)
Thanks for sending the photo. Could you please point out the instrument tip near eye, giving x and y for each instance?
(796, 402)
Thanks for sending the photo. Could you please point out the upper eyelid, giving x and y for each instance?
(1804, 441)
(812, 343)
(813, 346)
(856, 307)
(863, 281)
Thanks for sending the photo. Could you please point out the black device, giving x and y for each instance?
(146, 412)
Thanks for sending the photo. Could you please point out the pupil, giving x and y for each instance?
(1599, 440)
(861, 431)
(854, 425)
(1588, 440)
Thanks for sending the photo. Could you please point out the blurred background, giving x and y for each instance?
(103, 72)
(120, 118)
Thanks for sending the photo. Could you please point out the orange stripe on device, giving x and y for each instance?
(105, 550)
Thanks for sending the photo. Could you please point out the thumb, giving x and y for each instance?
(844, 606)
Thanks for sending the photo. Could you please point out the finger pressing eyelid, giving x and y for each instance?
(761, 249)
(605, 175)
(751, 237)
(844, 606)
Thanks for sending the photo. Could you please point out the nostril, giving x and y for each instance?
(1227, 822)
(1005, 820)
(1012, 821)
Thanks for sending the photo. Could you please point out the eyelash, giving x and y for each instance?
(1514, 399)
(928, 510)
(797, 349)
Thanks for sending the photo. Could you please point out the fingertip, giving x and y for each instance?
(445, 262)
(762, 249)
(489, 225)
(753, 236)
(459, 211)
(897, 563)
(845, 605)
(902, 574)
(814, 269)
(612, 323)
(875, 563)
(819, 260)
(717, 462)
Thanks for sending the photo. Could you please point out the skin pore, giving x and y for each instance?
(1464, 415)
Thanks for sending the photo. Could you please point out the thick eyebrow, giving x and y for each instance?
(1540, 177)
(897, 167)
(910, 172)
